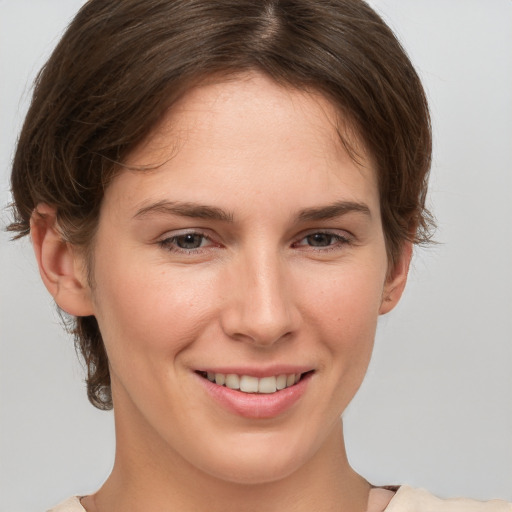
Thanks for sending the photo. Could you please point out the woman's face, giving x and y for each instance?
(252, 253)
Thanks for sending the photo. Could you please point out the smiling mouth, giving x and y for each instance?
(250, 384)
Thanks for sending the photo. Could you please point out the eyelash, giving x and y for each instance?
(339, 241)
(170, 243)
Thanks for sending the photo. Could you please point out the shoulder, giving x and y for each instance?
(70, 505)
(408, 499)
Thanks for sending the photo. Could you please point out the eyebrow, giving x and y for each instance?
(184, 209)
(333, 210)
(199, 211)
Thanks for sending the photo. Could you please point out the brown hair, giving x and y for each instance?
(121, 64)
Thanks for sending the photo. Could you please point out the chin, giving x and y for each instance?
(243, 472)
(256, 461)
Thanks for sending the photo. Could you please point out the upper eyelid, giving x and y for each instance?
(342, 233)
(206, 233)
(171, 236)
(185, 231)
(169, 243)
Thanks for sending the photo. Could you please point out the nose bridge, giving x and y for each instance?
(262, 310)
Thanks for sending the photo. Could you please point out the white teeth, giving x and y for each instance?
(281, 382)
(267, 385)
(232, 381)
(250, 384)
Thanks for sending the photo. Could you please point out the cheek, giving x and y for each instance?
(347, 300)
(345, 310)
(153, 313)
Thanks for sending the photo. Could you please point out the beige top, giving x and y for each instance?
(406, 499)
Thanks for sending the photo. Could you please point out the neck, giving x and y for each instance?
(142, 483)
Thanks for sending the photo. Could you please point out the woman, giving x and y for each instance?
(225, 196)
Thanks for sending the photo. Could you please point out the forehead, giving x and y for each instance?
(249, 135)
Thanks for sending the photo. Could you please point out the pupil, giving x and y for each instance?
(189, 241)
(320, 239)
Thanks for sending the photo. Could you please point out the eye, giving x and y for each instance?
(187, 242)
(323, 239)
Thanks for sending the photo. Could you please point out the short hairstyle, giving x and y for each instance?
(122, 64)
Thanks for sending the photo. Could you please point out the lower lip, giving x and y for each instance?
(256, 405)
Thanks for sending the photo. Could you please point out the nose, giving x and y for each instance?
(260, 306)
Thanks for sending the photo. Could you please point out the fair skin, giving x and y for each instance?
(253, 248)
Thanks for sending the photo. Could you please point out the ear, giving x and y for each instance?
(61, 267)
(396, 280)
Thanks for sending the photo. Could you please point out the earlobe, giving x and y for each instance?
(61, 268)
(396, 280)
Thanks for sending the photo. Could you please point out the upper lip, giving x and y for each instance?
(257, 371)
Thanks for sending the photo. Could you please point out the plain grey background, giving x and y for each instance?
(436, 408)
